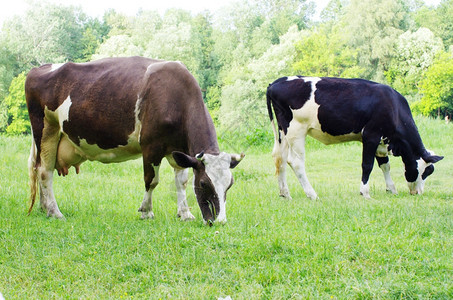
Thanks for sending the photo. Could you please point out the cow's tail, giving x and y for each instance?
(33, 174)
(276, 151)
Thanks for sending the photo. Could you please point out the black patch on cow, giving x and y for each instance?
(428, 171)
(345, 106)
(286, 95)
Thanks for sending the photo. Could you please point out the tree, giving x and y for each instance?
(415, 52)
(439, 20)
(242, 99)
(94, 34)
(18, 120)
(325, 53)
(374, 27)
(8, 69)
(437, 88)
(47, 33)
(117, 45)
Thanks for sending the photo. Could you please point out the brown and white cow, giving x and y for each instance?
(117, 109)
(335, 110)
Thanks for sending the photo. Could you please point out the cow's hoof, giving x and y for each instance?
(186, 216)
(394, 192)
(55, 214)
(147, 215)
(287, 196)
(366, 195)
(312, 196)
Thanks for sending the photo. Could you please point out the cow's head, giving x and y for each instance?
(211, 181)
(417, 172)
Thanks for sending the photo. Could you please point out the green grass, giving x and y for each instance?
(339, 247)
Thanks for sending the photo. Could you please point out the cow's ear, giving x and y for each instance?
(184, 161)
(236, 159)
(432, 158)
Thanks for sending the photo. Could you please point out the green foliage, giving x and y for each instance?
(373, 28)
(415, 52)
(18, 120)
(47, 33)
(326, 53)
(437, 88)
(243, 96)
(438, 20)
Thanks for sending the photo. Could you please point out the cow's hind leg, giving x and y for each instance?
(181, 178)
(45, 170)
(280, 156)
(151, 180)
(384, 164)
(296, 159)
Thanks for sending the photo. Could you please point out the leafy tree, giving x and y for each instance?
(117, 45)
(18, 120)
(334, 11)
(8, 68)
(415, 52)
(94, 34)
(326, 53)
(144, 27)
(47, 33)
(374, 27)
(242, 99)
(439, 20)
(203, 43)
(118, 23)
(437, 88)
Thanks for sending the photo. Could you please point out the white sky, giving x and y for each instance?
(96, 8)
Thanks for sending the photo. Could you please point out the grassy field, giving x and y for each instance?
(339, 247)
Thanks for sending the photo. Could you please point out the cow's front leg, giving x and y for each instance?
(151, 181)
(368, 154)
(384, 164)
(296, 159)
(181, 177)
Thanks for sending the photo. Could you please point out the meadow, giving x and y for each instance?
(338, 247)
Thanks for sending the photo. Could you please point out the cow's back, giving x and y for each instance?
(336, 106)
(100, 95)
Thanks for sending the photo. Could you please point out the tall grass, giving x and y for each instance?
(341, 246)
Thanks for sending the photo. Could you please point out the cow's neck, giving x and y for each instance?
(201, 134)
(411, 143)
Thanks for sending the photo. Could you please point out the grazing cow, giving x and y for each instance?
(334, 110)
(117, 109)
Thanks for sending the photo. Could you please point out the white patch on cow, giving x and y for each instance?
(135, 136)
(291, 78)
(218, 170)
(388, 180)
(418, 186)
(55, 67)
(119, 154)
(63, 112)
(365, 190)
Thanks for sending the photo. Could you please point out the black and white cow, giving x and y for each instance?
(335, 110)
(117, 109)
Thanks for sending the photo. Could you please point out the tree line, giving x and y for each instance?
(236, 52)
